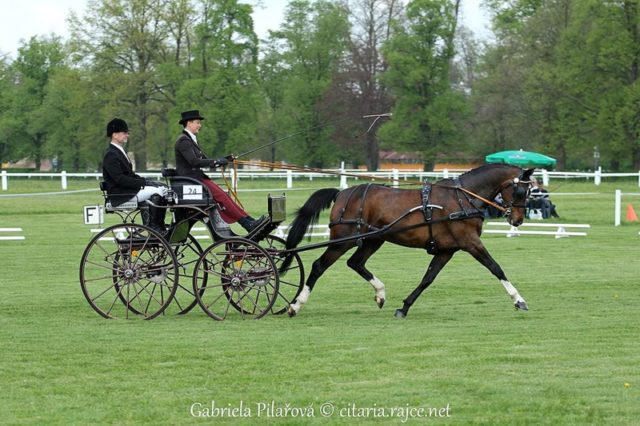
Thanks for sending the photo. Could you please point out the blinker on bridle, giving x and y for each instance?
(505, 207)
(517, 191)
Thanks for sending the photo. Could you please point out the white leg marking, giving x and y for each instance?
(378, 286)
(513, 292)
(302, 298)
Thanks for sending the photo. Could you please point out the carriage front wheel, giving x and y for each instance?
(235, 274)
(128, 271)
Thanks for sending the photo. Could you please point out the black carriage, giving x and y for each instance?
(130, 270)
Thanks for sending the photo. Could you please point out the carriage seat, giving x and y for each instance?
(127, 206)
(187, 190)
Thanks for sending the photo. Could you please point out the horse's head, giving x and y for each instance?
(514, 193)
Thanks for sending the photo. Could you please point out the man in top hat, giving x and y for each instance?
(124, 185)
(190, 159)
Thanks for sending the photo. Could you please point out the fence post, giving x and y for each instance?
(597, 176)
(343, 178)
(618, 209)
(396, 177)
(545, 177)
(4, 180)
(63, 176)
(445, 174)
(289, 179)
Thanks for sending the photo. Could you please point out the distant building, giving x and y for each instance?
(412, 161)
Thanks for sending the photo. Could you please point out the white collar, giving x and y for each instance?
(191, 135)
(121, 150)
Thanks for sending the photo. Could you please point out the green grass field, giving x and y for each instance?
(463, 352)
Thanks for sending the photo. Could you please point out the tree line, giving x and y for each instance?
(559, 77)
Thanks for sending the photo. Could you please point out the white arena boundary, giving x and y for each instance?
(559, 230)
(11, 237)
(316, 231)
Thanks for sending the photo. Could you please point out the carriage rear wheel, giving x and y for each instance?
(235, 274)
(291, 280)
(187, 253)
(128, 271)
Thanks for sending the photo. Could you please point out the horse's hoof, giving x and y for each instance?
(521, 305)
(400, 314)
(379, 302)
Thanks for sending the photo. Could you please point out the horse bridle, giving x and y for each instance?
(518, 191)
(506, 207)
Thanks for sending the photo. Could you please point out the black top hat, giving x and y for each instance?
(190, 115)
(116, 125)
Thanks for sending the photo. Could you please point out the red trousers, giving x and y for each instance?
(229, 210)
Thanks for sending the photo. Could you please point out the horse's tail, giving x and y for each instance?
(306, 216)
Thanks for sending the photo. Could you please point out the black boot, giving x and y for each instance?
(154, 217)
(249, 223)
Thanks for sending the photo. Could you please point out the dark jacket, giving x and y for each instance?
(190, 158)
(122, 183)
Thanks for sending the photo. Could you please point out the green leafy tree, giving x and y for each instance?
(124, 42)
(572, 76)
(224, 84)
(76, 140)
(419, 56)
(310, 46)
(7, 147)
(359, 88)
(38, 60)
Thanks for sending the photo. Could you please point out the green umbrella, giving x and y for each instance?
(521, 158)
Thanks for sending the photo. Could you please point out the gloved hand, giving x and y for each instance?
(220, 162)
(230, 157)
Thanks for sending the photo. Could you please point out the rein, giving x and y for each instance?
(268, 165)
(473, 194)
(280, 166)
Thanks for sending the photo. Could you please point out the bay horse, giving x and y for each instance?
(443, 218)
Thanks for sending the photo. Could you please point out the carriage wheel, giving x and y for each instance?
(235, 273)
(187, 254)
(291, 281)
(128, 270)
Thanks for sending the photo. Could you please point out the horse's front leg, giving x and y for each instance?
(480, 253)
(436, 265)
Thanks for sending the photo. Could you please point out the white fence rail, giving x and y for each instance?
(397, 176)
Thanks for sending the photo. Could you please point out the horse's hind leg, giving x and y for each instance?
(328, 258)
(437, 263)
(357, 262)
(481, 254)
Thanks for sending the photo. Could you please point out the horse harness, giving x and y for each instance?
(462, 214)
(427, 210)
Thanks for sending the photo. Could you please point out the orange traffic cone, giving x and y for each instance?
(631, 214)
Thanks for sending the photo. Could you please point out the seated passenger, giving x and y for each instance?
(189, 160)
(123, 185)
(539, 200)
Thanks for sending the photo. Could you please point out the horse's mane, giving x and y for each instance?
(480, 170)
(484, 167)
